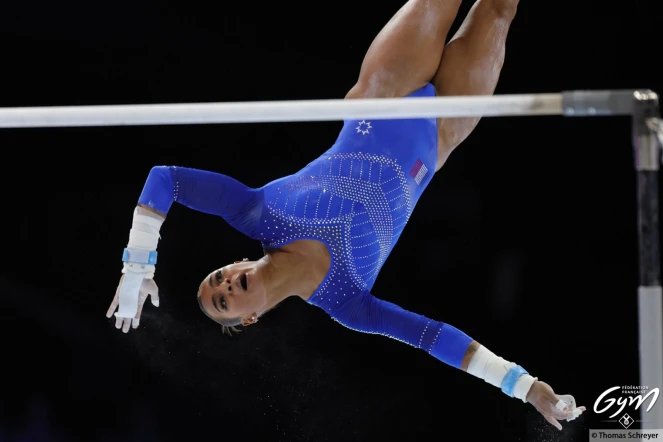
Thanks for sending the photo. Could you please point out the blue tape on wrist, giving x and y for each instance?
(140, 256)
(509, 381)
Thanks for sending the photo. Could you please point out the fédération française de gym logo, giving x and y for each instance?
(616, 399)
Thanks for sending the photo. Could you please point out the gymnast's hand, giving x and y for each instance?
(147, 288)
(544, 399)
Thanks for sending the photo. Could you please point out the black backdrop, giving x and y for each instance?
(526, 239)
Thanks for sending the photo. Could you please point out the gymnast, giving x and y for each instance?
(327, 230)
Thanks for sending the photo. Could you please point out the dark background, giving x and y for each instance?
(526, 239)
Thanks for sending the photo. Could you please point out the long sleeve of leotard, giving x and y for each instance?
(208, 192)
(368, 314)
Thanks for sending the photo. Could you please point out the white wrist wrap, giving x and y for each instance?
(492, 369)
(523, 384)
(144, 233)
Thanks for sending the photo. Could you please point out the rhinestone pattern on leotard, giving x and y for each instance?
(358, 204)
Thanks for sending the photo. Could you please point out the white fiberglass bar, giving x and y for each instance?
(281, 111)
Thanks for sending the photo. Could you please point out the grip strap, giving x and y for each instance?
(138, 256)
(509, 381)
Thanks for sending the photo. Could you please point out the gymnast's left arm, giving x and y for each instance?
(200, 190)
(204, 191)
(368, 314)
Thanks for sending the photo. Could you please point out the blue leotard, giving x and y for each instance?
(356, 198)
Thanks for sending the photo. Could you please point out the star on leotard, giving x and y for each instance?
(364, 127)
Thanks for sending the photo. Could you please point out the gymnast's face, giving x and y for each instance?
(234, 291)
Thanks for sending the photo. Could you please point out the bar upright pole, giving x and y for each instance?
(650, 306)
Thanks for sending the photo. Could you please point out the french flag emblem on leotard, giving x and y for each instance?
(419, 171)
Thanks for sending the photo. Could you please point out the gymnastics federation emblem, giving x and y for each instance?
(614, 400)
(626, 421)
(364, 127)
(419, 171)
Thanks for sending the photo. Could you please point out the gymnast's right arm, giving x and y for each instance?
(203, 191)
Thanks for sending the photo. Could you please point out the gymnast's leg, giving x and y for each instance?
(471, 65)
(406, 53)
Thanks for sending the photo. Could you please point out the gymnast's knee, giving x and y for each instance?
(505, 9)
(452, 133)
(375, 87)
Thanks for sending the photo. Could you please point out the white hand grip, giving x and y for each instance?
(129, 291)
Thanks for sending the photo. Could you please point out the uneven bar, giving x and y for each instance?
(282, 111)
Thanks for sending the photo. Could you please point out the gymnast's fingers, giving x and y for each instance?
(118, 322)
(152, 290)
(551, 404)
(154, 297)
(116, 301)
(126, 325)
(113, 306)
(135, 321)
(553, 400)
(553, 422)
